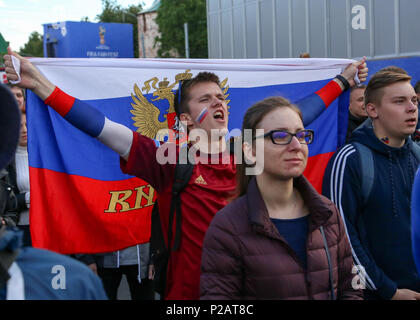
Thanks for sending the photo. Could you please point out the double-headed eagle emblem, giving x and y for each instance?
(146, 114)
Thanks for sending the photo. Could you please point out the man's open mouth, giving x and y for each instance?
(219, 115)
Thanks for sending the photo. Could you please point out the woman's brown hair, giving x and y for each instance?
(252, 118)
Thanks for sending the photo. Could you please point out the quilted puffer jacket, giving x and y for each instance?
(245, 257)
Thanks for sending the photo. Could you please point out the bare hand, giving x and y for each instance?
(31, 78)
(359, 68)
(27, 70)
(93, 267)
(151, 272)
(406, 294)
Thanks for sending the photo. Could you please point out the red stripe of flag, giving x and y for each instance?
(76, 216)
(315, 169)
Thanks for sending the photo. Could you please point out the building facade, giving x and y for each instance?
(323, 28)
(148, 30)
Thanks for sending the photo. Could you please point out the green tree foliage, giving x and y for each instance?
(3, 50)
(3, 45)
(113, 12)
(34, 46)
(171, 16)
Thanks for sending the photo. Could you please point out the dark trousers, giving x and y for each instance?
(27, 241)
(111, 279)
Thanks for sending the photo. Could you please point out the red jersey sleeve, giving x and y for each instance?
(143, 163)
(329, 92)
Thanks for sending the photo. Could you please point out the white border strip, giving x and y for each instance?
(90, 79)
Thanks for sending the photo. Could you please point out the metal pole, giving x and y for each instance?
(187, 48)
(142, 44)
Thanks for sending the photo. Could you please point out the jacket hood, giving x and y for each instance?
(365, 135)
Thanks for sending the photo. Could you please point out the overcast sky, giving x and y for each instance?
(19, 18)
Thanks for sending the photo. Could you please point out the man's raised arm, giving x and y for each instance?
(314, 104)
(81, 115)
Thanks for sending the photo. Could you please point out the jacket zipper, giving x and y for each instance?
(402, 172)
(308, 282)
(407, 186)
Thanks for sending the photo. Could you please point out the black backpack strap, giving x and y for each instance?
(157, 243)
(182, 175)
(367, 170)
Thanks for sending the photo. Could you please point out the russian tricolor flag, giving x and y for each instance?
(80, 200)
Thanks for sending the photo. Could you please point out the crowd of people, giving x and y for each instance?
(268, 235)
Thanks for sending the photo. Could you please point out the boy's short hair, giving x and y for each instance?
(417, 87)
(181, 102)
(394, 69)
(359, 86)
(380, 80)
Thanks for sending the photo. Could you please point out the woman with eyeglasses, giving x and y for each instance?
(279, 239)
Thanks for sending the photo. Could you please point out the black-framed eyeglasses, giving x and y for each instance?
(284, 137)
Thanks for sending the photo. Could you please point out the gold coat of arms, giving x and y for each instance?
(146, 114)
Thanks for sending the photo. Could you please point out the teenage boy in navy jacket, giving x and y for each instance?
(378, 223)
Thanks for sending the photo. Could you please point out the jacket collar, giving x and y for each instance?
(365, 135)
(320, 208)
(358, 121)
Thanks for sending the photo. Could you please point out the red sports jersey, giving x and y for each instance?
(208, 191)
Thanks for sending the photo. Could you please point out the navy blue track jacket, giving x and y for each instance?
(380, 229)
(37, 270)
